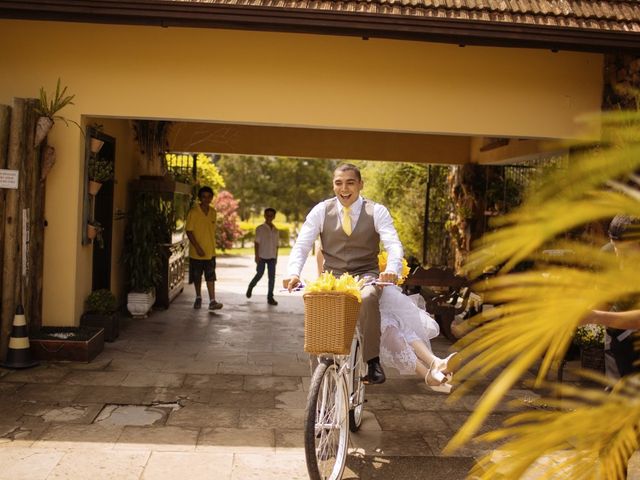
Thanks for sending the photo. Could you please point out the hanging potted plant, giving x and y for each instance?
(94, 233)
(99, 171)
(48, 110)
(95, 144)
(101, 312)
(147, 229)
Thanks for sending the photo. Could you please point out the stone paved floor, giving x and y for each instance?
(222, 397)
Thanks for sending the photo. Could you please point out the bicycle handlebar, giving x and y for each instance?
(301, 286)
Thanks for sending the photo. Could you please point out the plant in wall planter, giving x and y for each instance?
(148, 227)
(95, 144)
(101, 312)
(99, 171)
(48, 110)
(94, 233)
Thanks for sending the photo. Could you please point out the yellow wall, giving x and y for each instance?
(273, 79)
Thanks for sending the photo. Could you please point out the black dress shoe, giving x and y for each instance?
(375, 375)
(249, 291)
(271, 301)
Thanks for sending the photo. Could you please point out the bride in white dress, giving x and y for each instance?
(406, 331)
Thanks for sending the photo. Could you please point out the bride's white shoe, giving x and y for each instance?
(436, 380)
(449, 364)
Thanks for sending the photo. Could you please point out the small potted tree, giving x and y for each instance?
(99, 171)
(148, 227)
(101, 312)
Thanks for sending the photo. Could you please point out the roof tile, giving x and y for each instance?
(615, 15)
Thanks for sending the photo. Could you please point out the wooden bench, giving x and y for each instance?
(446, 294)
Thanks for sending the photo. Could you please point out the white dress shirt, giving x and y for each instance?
(267, 240)
(383, 224)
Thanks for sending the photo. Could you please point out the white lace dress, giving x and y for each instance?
(403, 320)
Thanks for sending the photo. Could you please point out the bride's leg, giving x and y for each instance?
(421, 370)
(423, 352)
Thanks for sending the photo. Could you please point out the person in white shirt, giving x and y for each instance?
(266, 254)
(351, 229)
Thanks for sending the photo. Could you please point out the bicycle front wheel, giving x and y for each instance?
(326, 432)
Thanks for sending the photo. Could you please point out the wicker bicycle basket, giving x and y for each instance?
(329, 322)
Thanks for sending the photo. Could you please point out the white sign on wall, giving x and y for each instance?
(8, 178)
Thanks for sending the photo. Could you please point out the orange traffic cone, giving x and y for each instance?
(19, 355)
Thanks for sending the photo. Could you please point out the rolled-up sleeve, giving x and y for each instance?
(389, 238)
(308, 234)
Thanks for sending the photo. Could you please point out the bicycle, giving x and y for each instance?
(334, 408)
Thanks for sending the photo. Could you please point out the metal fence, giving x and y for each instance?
(505, 187)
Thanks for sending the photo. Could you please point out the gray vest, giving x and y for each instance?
(356, 253)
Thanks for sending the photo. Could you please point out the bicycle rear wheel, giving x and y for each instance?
(356, 404)
(326, 433)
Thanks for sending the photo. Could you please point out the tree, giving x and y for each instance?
(180, 166)
(208, 174)
(295, 185)
(538, 310)
(401, 187)
(244, 175)
(227, 228)
(290, 185)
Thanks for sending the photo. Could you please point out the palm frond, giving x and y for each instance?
(538, 311)
(534, 321)
(593, 440)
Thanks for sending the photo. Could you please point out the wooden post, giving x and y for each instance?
(29, 202)
(5, 122)
(12, 236)
(24, 212)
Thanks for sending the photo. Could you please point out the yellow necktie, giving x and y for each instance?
(346, 220)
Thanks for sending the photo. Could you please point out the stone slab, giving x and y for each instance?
(198, 415)
(194, 466)
(236, 440)
(271, 418)
(164, 438)
(28, 463)
(103, 465)
(215, 382)
(248, 466)
(153, 379)
(84, 437)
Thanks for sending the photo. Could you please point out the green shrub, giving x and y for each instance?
(101, 301)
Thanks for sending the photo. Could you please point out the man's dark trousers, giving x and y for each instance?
(271, 272)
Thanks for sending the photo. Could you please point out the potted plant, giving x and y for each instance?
(94, 233)
(590, 339)
(148, 227)
(101, 312)
(99, 171)
(48, 109)
(95, 144)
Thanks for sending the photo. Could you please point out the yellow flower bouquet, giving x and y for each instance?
(382, 264)
(327, 282)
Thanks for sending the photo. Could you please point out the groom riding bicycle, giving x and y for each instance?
(351, 229)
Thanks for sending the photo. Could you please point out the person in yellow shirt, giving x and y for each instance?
(201, 231)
